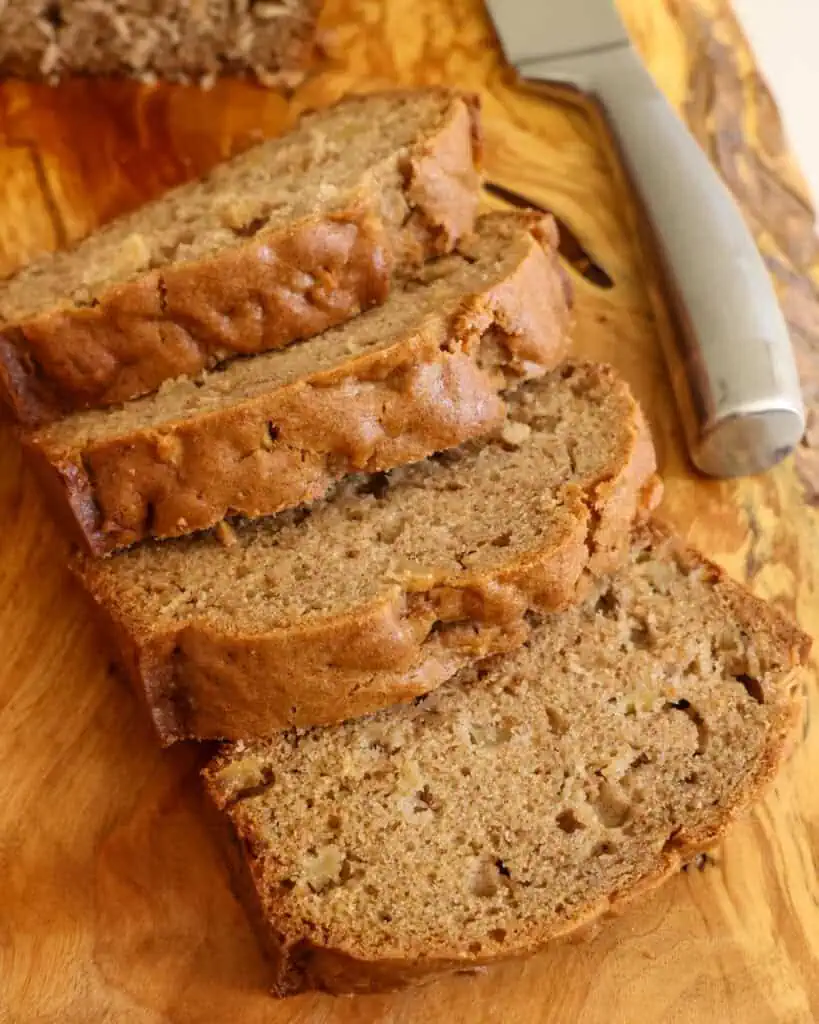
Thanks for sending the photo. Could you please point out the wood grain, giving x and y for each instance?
(114, 901)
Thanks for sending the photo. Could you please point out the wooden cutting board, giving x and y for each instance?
(114, 902)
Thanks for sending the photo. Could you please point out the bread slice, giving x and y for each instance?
(421, 373)
(289, 238)
(387, 587)
(270, 39)
(531, 794)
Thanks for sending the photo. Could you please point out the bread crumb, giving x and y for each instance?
(242, 774)
(415, 811)
(412, 575)
(238, 213)
(50, 59)
(529, 370)
(323, 868)
(515, 433)
(410, 780)
(169, 449)
(391, 530)
(225, 534)
(134, 254)
(619, 765)
(266, 10)
(300, 281)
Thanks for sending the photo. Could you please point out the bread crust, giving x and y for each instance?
(286, 447)
(300, 963)
(209, 684)
(279, 286)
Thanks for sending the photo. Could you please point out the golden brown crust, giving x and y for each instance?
(301, 963)
(205, 683)
(279, 286)
(286, 447)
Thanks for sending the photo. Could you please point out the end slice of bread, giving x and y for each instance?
(287, 239)
(532, 794)
(387, 587)
(165, 39)
(421, 373)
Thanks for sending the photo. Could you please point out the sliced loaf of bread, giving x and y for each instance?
(419, 374)
(271, 39)
(386, 588)
(287, 239)
(533, 793)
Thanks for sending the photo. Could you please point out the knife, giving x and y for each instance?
(731, 361)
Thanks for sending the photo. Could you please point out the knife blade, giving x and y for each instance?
(553, 29)
(731, 362)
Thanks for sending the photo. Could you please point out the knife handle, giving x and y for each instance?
(731, 361)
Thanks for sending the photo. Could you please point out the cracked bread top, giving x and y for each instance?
(263, 188)
(289, 238)
(421, 373)
(463, 513)
(389, 585)
(430, 295)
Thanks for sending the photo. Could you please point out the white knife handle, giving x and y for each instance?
(732, 364)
